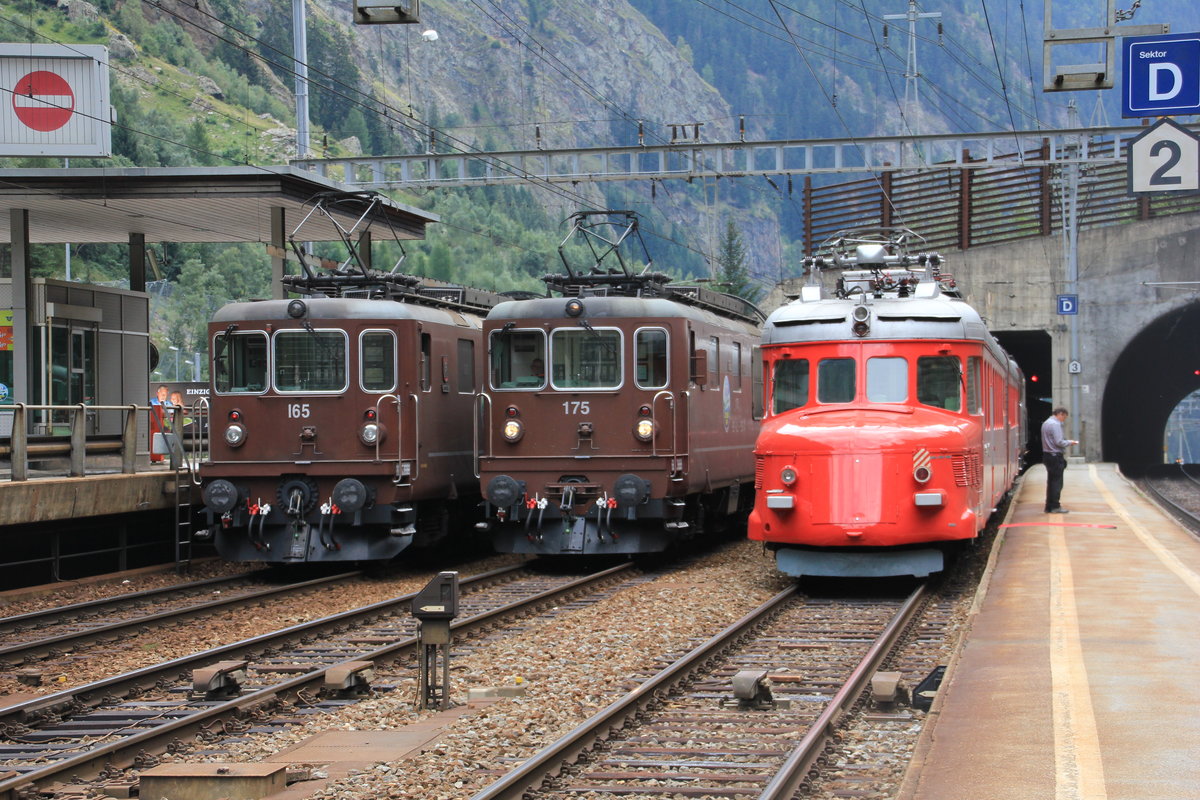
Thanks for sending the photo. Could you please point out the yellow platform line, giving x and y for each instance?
(1169, 560)
(1078, 766)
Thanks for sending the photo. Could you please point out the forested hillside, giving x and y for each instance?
(211, 82)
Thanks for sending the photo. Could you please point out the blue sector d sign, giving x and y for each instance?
(1161, 75)
(1068, 304)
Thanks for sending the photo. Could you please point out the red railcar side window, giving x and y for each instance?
(835, 380)
(887, 380)
(789, 385)
(939, 382)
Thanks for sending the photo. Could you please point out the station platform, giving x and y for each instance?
(53, 497)
(1077, 678)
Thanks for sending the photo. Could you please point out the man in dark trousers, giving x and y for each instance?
(1054, 442)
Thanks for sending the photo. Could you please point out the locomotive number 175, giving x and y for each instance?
(571, 407)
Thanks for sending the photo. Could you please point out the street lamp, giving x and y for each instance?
(176, 349)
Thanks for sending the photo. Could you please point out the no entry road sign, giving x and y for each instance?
(58, 100)
(43, 101)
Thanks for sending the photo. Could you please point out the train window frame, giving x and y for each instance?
(425, 361)
(805, 385)
(221, 341)
(927, 380)
(309, 331)
(362, 366)
(974, 385)
(637, 359)
(588, 336)
(825, 382)
(881, 386)
(735, 366)
(528, 356)
(465, 368)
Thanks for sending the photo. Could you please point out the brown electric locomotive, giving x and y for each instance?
(619, 411)
(337, 419)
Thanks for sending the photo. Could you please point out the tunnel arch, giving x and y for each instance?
(1156, 370)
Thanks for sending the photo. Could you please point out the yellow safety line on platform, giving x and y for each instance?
(1079, 769)
(1169, 560)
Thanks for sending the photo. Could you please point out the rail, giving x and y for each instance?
(62, 432)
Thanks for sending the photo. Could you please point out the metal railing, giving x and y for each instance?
(62, 432)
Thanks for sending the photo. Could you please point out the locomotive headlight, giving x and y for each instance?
(369, 434)
(235, 434)
(643, 429)
(788, 476)
(513, 430)
(861, 316)
(922, 474)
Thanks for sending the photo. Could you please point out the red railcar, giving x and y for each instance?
(618, 415)
(894, 420)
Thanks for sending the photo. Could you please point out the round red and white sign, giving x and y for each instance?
(43, 101)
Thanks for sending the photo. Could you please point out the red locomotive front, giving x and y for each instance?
(889, 424)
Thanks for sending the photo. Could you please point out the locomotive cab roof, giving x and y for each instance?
(883, 291)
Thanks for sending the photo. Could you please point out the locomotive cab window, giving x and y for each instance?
(887, 380)
(789, 385)
(377, 361)
(939, 382)
(310, 360)
(974, 384)
(517, 359)
(240, 363)
(651, 358)
(835, 380)
(585, 358)
(466, 366)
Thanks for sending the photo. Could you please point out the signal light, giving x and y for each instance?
(370, 415)
(1033, 378)
(511, 412)
(235, 415)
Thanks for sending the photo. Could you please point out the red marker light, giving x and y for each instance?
(370, 413)
(1033, 378)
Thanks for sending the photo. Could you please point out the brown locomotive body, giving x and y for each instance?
(618, 417)
(337, 426)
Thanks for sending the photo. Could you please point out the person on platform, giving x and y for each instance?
(1054, 445)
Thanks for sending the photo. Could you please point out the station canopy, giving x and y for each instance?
(194, 204)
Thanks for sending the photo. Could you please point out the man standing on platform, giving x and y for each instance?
(1054, 443)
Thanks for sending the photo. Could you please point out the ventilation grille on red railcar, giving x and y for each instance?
(760, 466)
(968, 469)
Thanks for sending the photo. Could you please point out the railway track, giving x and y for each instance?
(1176, 488)
(125, 721)
(57, 632)
(684, 733)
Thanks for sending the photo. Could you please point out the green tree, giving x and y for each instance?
(731, 265)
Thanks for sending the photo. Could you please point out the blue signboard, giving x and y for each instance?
(1068, 304)
(1161, 75)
